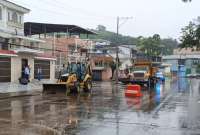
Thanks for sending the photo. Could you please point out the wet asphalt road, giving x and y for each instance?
(172, 108)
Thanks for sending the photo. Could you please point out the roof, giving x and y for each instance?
(33, 28)
(14, 6)
(134, 47)
(175, 57)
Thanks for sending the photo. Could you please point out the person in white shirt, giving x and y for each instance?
(27, 72)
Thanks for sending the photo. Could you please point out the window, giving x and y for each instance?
(14, 17)
(99, 64)
(1, 13)
(31, 45)
(3, 44)
(9, 16)
(20, 19)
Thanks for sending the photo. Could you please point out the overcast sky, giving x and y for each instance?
(165, 17)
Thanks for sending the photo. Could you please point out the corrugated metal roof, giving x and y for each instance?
(33, 28)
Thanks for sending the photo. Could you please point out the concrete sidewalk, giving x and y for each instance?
(16, 87)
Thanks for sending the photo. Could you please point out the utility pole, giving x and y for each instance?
(117, 49)
(117, 53)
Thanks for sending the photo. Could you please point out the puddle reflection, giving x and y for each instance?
(72, 114)
(151, 98)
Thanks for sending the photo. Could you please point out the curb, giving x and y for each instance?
(19, 94)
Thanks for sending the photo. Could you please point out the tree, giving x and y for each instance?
(186, 0)
(111, 36)
(150, 45)
(156, 37)
(156, 46)
(169, 45)
(191, 36)
(197, 34)
(101, 28)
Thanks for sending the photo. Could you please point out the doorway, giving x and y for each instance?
(24, 64)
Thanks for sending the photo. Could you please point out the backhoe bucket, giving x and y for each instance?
(54, 88)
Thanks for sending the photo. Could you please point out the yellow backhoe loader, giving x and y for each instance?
(75, 78)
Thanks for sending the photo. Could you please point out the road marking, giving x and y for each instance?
(157, 109)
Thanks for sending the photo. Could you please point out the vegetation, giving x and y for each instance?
(149, 45)
(186, 0)
(191, 35)
(156, 46)
(112, 37)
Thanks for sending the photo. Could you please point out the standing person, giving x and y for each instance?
(126, 71)
(23, 72)
(39, 71)
(113, 68)
(27, 73)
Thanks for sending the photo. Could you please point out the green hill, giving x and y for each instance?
(153, 45)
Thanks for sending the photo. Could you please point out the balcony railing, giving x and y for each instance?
(16, 25)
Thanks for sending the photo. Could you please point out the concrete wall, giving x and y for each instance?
(174, 64)
(15, 68)
(106, 74)
(52, 70)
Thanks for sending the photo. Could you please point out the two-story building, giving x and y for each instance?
(17, 50)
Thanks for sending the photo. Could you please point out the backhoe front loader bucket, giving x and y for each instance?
(54, 88)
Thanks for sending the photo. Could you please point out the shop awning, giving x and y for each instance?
(45, 57)
(7, 53)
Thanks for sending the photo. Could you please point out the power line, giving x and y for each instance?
(82, 11)
(90, 12)
(59, 13)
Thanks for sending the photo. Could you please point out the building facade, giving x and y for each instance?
(11, 18)
(17, 50)
(187, 58)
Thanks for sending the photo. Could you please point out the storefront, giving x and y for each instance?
(5, 65)
(5, 69)
(12, 63)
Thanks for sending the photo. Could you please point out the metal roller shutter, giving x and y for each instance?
(5, 69)
(45, 66)
(97, 75)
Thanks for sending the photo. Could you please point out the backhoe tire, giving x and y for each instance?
(73, 89)
(88, 86)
